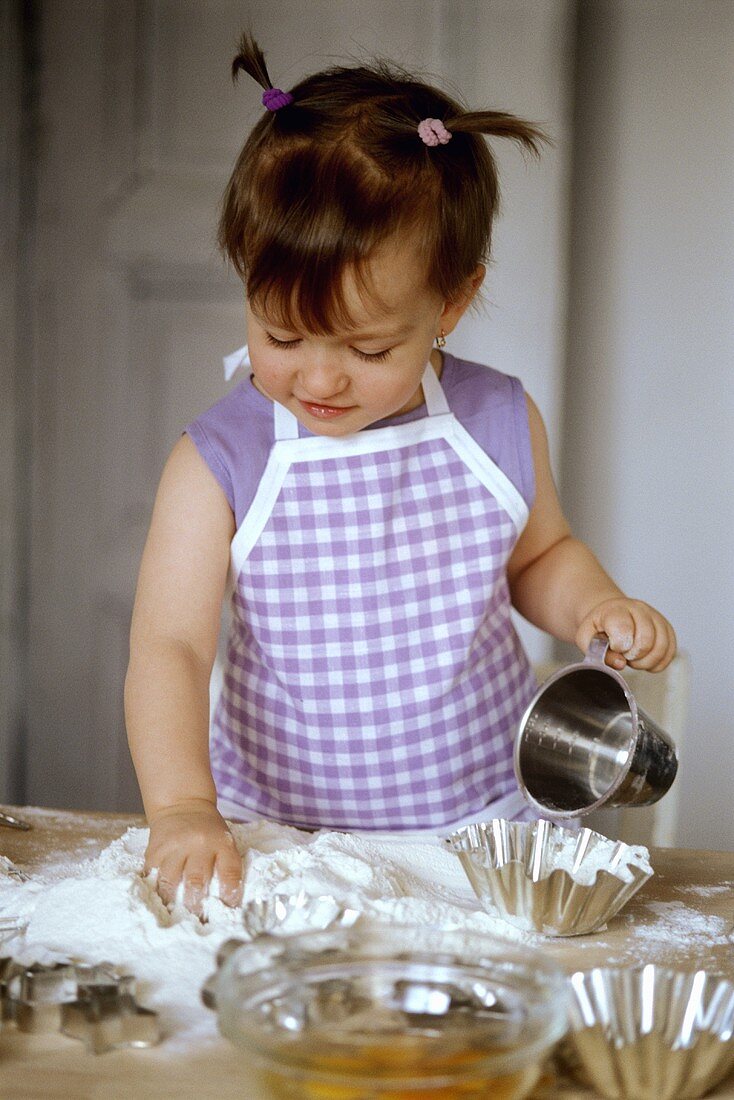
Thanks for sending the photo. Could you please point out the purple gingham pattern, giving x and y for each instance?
(374, 679)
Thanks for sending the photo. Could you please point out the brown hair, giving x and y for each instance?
(322, 181)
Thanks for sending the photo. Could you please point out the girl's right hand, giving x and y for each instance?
(190, 843)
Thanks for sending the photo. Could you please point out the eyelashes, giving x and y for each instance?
(375, 357)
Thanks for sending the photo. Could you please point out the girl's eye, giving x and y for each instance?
(375, 357)
(370, 357)
(281, 343)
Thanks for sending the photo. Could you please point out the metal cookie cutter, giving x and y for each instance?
(7, 867)
(279, 915)
(14, 822)
(93, 1003)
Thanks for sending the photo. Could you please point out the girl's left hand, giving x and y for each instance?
(639, 636)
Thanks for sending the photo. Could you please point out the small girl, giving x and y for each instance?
(381, 504)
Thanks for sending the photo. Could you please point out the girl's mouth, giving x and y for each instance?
(325, 412)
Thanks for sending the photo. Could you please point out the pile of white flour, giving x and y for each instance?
(92, 910)
(103, 910)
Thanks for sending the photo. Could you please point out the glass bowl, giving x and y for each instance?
(391, 1013)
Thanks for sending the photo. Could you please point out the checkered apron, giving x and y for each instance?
(374, 679)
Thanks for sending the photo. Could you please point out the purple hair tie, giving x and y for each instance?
(274, 99)
(433, 132)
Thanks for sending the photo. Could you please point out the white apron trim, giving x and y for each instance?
(257, 516)
(489, 473)
(286, 424)
(288, 449)
(365, 442)
(435, 398)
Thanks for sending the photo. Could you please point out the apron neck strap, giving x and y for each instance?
(436, 402)
(286, 424)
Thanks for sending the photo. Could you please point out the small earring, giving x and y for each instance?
(441, 340)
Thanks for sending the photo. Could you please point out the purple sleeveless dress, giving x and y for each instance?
(374, 679)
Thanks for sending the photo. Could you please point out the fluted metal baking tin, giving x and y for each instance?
(280, 915)
(650, 1033)
(512, 867)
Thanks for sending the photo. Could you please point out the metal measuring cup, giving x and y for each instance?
(584, 743)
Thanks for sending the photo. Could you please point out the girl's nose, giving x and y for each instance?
(323, 379)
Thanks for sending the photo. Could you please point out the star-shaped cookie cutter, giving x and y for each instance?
(93, 1003)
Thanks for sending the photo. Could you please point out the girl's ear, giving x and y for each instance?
(454, 309)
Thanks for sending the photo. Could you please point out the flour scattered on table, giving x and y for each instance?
(707, 891)
(675, 922)
(103, 910)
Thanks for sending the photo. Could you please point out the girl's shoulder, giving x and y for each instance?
(466, 382)
(234, 437)
(491, 406)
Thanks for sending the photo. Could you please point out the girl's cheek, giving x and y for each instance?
(269, 368)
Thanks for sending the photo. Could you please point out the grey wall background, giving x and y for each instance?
(611, 294)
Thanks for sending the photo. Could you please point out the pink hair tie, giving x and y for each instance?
(433, 132)
(274, 99)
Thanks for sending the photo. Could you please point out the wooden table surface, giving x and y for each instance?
(34, 1066)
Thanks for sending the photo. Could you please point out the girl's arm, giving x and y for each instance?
(558, 585)
(173, 640)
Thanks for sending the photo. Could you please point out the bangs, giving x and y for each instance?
(320, 184)
(325, 216)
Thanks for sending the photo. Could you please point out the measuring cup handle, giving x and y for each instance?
(597, 650)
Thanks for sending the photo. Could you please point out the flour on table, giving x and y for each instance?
(104, 910)
(707, 891)
(676, 922)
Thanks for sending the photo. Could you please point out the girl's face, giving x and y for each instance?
(338, 384)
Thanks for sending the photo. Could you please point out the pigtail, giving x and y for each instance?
(406, 121)
(499, 124)
(252, 60)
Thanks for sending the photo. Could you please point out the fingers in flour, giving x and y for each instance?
(229, 873)
(221, 879)
(170, 873)
(195, 886)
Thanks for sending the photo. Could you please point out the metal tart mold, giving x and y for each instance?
(544, 878)
(650, 1033)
